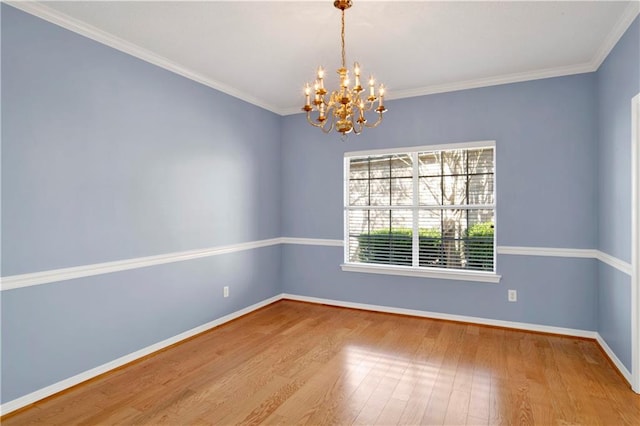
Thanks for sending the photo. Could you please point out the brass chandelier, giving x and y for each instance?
(345, 107)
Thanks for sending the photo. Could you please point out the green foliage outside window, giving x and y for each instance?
(480, 246)
(394, 247)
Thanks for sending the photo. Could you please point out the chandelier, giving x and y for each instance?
(345, 108)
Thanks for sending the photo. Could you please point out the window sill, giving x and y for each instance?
(407, 271)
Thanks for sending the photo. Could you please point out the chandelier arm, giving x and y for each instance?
(333, 119)
(368, 106)
(311, 121)
(325, 129)
(378, 121)
(357, 128)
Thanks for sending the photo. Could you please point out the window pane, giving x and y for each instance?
(454, 190)
(359, 168)
(380, 167)
(359, 192)
(430, 191)
(402, 166)
(479, 240)
(380, 236)
(402, 191)
(481, 189)
(380, 192)
(453, 227)
(453, 162)
(429, 164)
(430, 238)
(480, 160)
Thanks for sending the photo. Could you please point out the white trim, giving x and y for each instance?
(65, 21)
(33, 397)
(410, 271)
(346, 172)
(635, 242)
(613, 357)
(546, 251)
(449, 317)
(422, 148)
(55, 275)
(614, 262)
(312, 241)
(616, 33)
(490, 81)
(58, 18)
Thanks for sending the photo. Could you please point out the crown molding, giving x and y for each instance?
(629, 14)
(493, 81)
(53, 16)
(58, 18)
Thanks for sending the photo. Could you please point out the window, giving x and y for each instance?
(427, 211)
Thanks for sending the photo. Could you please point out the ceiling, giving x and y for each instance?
(264, 51)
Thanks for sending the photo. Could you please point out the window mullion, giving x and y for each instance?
(416, 212)
(347, 197)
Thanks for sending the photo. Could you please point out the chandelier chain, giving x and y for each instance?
(344, 61)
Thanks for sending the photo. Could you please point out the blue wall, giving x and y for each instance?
(546, 194)
(618, 81)
(106, 157)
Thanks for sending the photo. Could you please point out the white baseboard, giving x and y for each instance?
(474, 320)
(450, 317)
(614, 358)
(40, 394)
(33, 397)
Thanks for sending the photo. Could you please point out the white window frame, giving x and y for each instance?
(419, 271)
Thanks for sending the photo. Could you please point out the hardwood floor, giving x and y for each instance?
(294, 363)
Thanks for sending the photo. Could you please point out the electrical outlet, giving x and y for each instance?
(225, 291)
(512, 295)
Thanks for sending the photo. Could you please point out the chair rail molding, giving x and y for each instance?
(13, 282)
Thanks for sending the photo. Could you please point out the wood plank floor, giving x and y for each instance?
(299, 363)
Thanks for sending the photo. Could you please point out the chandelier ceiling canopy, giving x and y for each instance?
(344, 108)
